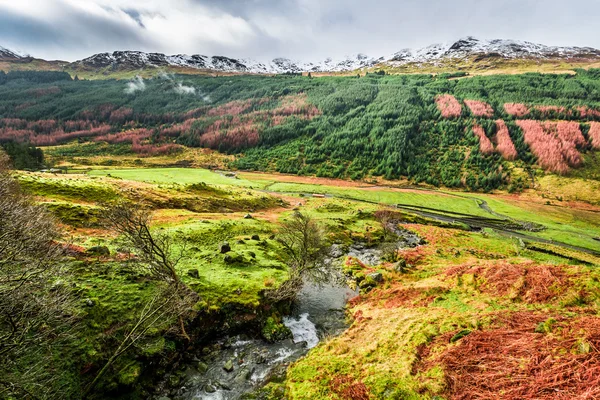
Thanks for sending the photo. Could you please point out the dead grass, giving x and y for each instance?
(513, 361)
(526, 281)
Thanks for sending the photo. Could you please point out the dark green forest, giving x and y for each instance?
(345, 127)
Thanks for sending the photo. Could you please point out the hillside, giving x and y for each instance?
(481, 133)
(454, 220)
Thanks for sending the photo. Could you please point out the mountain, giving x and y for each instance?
(131, 60)
(467, 54)
(9, 55)
(507, 49)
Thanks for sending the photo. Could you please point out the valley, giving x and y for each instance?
(447, 228)
(447, 285)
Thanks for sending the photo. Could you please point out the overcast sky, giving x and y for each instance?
(301, 29)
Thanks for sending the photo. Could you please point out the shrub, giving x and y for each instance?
(516, 109)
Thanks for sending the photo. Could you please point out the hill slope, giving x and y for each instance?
(479, 133)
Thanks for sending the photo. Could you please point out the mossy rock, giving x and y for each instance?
(368, 282)
(234, 258)
(274, 330)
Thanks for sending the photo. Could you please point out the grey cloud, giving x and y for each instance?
(75, 33)
(307, 29)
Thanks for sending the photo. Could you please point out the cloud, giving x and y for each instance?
(135, 85)
(264, 29)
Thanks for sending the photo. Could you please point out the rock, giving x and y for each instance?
(241, 241)
(248, 216)
(336, 251)
(201, 367)
(233, 259)
(255, 237)
(99, 251)
(89, 302)
(400, 266)
(242, 376)
(225, 386)
(228, 366)
(376, 276)
(193, 273)
(252, 254)
(210, 388)
(367, 283)
(225, 248)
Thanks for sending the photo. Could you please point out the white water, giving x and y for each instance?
(303, 330)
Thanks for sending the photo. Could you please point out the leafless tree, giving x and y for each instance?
(305, 249)
(157, 253)
(387, 218)
(36, 311)
(155, 250)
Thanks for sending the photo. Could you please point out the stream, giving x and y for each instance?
(237, 365)
(240, 364)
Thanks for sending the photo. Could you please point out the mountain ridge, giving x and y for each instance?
(466, 48)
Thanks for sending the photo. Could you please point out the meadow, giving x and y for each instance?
(451, 284)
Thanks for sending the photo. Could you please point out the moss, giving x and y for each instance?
(130, 374)
(274, 330)
(75, 214)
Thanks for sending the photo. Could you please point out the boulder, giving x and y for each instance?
(99, 251)
(228, 366)
(233, 258)
(193, 273)
(225, 248)
(201, 367)
(367, 283)
(248, 216)
(376, 276)
(255, 237)
(400, 266)
(210, 388)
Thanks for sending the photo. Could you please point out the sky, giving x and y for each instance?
(300, 29)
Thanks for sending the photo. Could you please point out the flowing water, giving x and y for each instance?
(240, 364)
(233, 366)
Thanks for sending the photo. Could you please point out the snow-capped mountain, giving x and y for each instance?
(509, 49)
(9, 55)
(137, 60)
(465, 48)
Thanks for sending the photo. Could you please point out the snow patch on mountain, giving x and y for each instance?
(467, 47)
(510, 49)
(6, 54)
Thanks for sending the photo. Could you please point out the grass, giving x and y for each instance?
(382, 352)
(174, 175)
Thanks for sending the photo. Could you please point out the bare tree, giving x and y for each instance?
(388, 219)
(157, 251)
(305, 249)
(36, 312)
